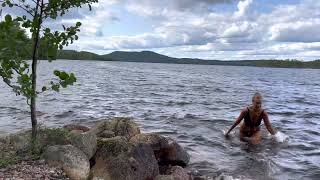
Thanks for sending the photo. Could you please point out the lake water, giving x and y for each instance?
(192, 103)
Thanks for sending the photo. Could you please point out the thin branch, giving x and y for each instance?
(29, 12)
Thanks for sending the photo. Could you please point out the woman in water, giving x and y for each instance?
(253, 115)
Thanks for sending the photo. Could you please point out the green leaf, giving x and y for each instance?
(63, 75)
(57, 73)
(8, 18)
(55, 87)
(47, 30)
(78, 24)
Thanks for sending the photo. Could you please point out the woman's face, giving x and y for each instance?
(257, 101)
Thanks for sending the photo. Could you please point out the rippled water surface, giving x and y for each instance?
(191, 103)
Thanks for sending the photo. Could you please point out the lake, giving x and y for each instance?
(193, 104)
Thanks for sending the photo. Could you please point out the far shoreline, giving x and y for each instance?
(230, 65)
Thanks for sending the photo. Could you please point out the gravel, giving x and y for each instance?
(32, 170)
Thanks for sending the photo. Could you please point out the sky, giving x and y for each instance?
(207, 29)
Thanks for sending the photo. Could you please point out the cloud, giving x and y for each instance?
(218, 29)
(300, 31)
(243, 7)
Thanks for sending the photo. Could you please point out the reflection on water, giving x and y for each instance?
(191, 103)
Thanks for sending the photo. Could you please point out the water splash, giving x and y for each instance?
(280, 137)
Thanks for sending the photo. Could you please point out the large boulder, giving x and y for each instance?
(76, 127)
(157, 142)
(166, 150)
(107, 134)
(120, 126)
(178, 173)
(53, 136)
(164, 177)
(72, 160)
(176, 154)
(21, 140)
(175, 173)
(86, 142)
(118, 159)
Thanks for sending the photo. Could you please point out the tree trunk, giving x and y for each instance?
(36, 37)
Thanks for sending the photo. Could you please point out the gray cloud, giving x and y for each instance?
(306, 31)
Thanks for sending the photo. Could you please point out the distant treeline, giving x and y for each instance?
(145, 56)
(152, 57)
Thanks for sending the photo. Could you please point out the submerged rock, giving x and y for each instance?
(72, 160)
(118, 159)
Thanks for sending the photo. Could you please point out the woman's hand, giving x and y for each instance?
(226, 133)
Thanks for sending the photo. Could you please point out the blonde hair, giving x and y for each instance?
(257, 94)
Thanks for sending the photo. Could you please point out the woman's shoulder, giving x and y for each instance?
(245, 109)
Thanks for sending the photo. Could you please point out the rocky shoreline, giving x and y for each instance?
(113, 149)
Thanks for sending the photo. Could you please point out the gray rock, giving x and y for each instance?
(123, 127)
(86, 142)
(72, 160)
(157, 142)
(164, 177)
(106, 134)
(178, 173)
(72, 127)
(166, 150)
(176, 154)
(118, 159)
(120, 126)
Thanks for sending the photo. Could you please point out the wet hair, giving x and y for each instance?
(257, 94)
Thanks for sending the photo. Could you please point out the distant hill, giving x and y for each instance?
(152, 57)
(80, 55)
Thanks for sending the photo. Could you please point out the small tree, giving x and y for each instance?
(14, 51)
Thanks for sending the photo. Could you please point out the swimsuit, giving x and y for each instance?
(253, 126)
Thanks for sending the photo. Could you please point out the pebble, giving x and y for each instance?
(32, 170)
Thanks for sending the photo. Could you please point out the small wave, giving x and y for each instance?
(301, 147)
(179, 103)
(304, 101)
(219, 90)
(64, 114)
(313, 153)
(286, 113)
(312, 132)
(310, 115)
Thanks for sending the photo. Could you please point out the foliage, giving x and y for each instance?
(82, 55)
(8, 158)
(15, 48)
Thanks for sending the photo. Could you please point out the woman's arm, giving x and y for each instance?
(239, 119)
(267, 123)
